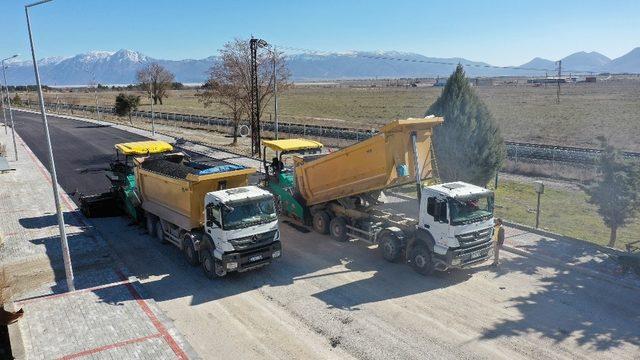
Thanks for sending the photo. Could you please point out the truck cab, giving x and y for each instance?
(242, 227)
(456, 219)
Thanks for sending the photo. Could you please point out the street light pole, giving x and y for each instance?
(13, 128)
(153, 124)
(275, 91)
(4, 112)
(52, 167)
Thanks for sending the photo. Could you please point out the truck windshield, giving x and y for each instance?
(464, 211)
(249, 213)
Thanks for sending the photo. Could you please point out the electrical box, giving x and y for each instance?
(538, 186)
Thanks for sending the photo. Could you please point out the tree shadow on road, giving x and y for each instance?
(569, 305)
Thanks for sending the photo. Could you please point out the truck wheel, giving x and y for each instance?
(151, 224)
(321, 222)
(210, 265)
(160, 232)
(390, 247)
(421, 260)
(338, 229)
(190, 252)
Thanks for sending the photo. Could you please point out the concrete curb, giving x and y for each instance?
(527, 228)
(16, 340)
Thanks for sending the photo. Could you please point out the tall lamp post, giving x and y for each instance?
(13, 128)
(275, 90)
(52, 167)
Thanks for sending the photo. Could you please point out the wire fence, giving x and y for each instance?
(516, 151)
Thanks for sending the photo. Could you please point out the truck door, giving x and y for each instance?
(435, 220)
(213, 222)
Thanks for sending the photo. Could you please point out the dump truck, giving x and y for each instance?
(205, 208)
(341, 193)
(209, 212)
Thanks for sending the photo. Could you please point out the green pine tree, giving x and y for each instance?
(468, 146)
(617, 191)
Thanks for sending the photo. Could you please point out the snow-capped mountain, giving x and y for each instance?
(120, 67)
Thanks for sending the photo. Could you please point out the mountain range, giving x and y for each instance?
(107, 67)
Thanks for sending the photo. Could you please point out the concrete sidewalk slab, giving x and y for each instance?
(107, 317)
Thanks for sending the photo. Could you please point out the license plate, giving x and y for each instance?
(255, 258)
(477, 254)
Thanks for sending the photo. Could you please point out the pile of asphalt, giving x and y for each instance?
(169, 168)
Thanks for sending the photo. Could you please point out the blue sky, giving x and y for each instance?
(498, 32)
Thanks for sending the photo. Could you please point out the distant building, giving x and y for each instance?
(551, 80)
(483, 82)
(441, 81)
(590, 79)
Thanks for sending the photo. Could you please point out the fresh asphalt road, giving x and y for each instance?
(327, 299)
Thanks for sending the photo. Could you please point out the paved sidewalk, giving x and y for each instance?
(107, 317)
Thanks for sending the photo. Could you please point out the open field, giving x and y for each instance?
(525, 113)
(563, 210)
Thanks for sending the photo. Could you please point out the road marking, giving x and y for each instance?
(158, 325)
(110, 346)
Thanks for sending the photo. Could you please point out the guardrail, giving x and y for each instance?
(515, 150)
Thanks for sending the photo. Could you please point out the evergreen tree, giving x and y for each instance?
(617, 191)
(126, 104)
(468, 145)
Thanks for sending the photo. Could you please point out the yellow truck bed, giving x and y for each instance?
(181, 200)
(382, 161)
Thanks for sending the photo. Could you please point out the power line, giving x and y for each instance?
(378, 57)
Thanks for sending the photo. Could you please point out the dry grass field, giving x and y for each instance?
(525, 113)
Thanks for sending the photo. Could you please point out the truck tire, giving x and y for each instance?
(421, 260)
(160, 232)
(338, 229)
(390, 247)
(209, 264)
(151, 224)
(189, 251)
(321, 222)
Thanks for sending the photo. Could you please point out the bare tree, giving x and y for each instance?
(155, 80)
(229, 81)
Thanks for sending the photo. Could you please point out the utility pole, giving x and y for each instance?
(254, 44)
(52, 167)
(559, 75)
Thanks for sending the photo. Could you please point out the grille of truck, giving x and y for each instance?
(475, 242)
(253, 240)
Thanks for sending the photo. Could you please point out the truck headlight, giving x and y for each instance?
(276, 254)
(277, 236)
(232, 265)
(456, 262)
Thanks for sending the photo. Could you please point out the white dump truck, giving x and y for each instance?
(339, 193)
(209, 212)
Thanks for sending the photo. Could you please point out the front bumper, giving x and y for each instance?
(468, 254)
(251, 259)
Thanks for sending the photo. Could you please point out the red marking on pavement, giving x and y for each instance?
(80, 291)
(11, 234)
(110, 346)
(154, 320)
